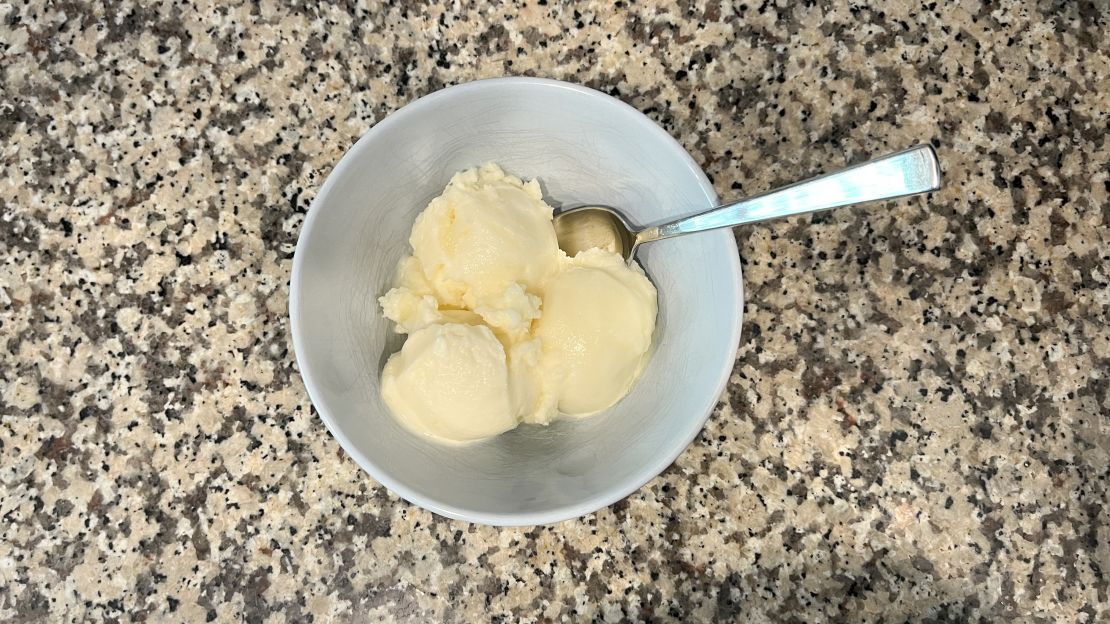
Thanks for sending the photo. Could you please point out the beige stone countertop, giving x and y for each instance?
(915, 429)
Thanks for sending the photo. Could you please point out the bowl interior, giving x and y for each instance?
(584, 147)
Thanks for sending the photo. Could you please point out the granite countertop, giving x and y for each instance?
(916, 427)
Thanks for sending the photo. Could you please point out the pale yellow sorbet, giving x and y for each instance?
(571, 334)
(596, 328)
(485, 244)
(450, 381)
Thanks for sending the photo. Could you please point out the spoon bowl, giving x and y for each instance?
(586, 227)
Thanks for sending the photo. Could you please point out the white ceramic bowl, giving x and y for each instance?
(584, 146)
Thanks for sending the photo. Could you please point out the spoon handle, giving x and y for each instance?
(911, 171)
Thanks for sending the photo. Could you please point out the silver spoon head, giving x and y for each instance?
(585, 227)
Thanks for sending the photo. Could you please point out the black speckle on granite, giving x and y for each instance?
(915, 429)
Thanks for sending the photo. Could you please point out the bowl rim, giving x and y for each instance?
(556, 514)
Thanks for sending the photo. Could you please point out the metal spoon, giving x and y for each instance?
(909, 172)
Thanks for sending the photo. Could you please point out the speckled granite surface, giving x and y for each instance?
(916, 428)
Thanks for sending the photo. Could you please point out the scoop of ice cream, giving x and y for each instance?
(596, 328)
(487, 231)
(450, 381)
